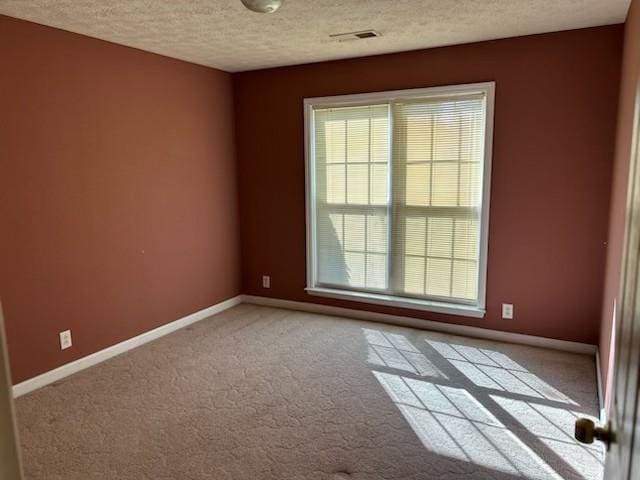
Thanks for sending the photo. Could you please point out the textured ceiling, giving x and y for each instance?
(223, 34)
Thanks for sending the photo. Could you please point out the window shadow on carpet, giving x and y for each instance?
(479, 406)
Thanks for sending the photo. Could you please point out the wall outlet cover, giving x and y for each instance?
(507, 311)
(65, 339)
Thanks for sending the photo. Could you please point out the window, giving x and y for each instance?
(397, 197)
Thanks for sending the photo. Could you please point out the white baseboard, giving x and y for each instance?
(51, 376)
(601, 409)
(574, 347)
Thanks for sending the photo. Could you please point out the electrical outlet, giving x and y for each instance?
(266, 281)
(65, 339)
(507, 311)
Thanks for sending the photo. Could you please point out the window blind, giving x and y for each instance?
(438, 151)
(352, 147)
(397, 201)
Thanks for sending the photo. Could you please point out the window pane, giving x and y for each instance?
(471, 144)
(446, 138)
(335, 141)
(418, 184)
(440, 234)
(376, 271)
(380, 139)
(354, 232)
(358, 184)
(355, 268)
(419, 131)
(337, 229)
(438, 277)
(465, 280)
(331, 265)
(358, 140)
(445, 185)
(414, 275)
(415, 236)
(470, 184)
(379, 180)
(335, 184)
(467, 234)
(377, 233)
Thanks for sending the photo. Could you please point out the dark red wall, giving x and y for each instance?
(118, 198)
(117, 192)
(628, 91)
(555, 118)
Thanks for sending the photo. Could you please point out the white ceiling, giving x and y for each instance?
(223, 34)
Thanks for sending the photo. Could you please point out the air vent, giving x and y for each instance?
(349, 36)
(366, 34)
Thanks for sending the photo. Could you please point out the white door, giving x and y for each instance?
(623, 432)
(9, 453)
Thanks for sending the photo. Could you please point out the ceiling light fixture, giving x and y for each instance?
(262, 6)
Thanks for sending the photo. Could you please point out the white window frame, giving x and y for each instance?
(473, 309)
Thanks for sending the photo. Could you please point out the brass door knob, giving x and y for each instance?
(587, 432)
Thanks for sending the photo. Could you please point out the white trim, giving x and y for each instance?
(402, 302)
(63, 371)
(392, 95)
(428, 304)
(603, 414)
(574, 347)
(490, 91)
(310, 192)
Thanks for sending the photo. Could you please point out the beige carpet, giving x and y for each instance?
(261, 393)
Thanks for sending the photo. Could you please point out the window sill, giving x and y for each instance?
(401, 302)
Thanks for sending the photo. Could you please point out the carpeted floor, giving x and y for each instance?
(262, 393)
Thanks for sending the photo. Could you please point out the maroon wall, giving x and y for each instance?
(628, 91)
(118, 182)
(556, 103)
(117, 192)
